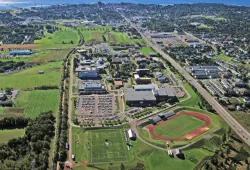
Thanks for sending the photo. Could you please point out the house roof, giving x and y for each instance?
(118, 83)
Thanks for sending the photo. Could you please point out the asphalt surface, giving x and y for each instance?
(243, 133)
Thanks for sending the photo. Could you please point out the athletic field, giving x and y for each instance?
(108, 146)
(178, 127)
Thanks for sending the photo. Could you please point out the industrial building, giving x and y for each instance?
(20, 52)
(204, 72)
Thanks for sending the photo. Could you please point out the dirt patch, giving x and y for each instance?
(12, 112)
(189, 135)
(19, 46)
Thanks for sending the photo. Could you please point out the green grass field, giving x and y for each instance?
(115, 151)
(172, 128)
(6, 135)
(93, 143)
(56, 39)
(41, 101)
(193, 101)
(146, 50)
(205, 27)
(1, 110)
(29, 78)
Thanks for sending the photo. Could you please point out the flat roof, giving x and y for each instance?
(132, 95)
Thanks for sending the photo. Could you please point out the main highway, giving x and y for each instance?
(243, 133)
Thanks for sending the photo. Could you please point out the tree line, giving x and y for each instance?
(32, 150)
(13, 122)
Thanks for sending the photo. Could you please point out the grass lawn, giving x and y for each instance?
(56, 39)
(205, 27)
(193, 101)
(41, 101)
(155, 159)
(6, 135)
(172, 128)
(146, 50)
(115, 151)
(30, 78)
(1, 110)
(215, 19)
(93, 143)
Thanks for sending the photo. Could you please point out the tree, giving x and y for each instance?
(122, 167)
(224, 138)
(104, 38)
(8, 90)
(229, 130)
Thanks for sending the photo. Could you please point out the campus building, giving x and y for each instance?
(91, 88)
(147, 95)
(88, 75)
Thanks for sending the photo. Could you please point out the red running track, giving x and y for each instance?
(189, 135)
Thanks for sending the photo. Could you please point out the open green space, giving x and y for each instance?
(6, 135)
(205, 27)
(193, 101)
(1, 110)
(172, 128)
(59, 39)
(41, 101)
(215, 18)
(30, 78)
(146, 50)
(115, 149)
(96, 150)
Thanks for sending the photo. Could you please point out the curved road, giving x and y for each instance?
(243, 133)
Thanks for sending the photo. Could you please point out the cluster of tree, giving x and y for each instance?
(51, 29)
(32, 150)
(20, 33)
(46, 87)
(194, 55)
(60, 153)
(13, 122)
(10, 65)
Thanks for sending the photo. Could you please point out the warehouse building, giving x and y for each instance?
(20, 52)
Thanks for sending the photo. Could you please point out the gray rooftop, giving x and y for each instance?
(132, 95)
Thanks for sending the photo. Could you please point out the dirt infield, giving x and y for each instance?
(189, 135)
(19, 46)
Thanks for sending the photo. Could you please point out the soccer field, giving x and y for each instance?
(114, 150)
(178, 126)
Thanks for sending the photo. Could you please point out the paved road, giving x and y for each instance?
(70, 161)
(217, 107)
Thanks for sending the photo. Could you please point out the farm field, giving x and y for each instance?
(94, 32)
(94, 142)
(56, 39)
(30, 78)
(6, 135)
(146, 50)
(172, 128)
(41, 101)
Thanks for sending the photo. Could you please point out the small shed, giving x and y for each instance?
(131, 134)
(41, 72)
